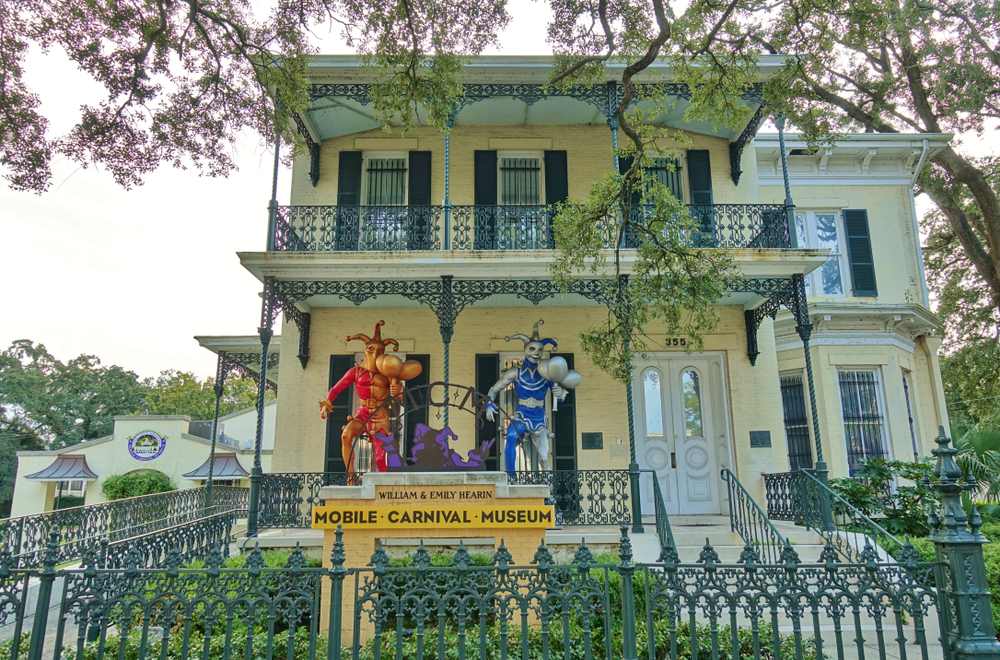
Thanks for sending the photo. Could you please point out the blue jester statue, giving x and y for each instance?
(532, 380)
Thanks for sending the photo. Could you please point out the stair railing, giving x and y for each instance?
(668, 549)
(855, 536)
(748, 520)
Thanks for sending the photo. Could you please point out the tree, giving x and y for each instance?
(972, 323)
(180, 393)
(62, 404)
(928, 67)
(183, 78)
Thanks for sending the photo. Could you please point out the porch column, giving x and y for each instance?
(267, 314)
(633, 466)
(221, 369)
(804, 328)
(446, 323)
(447, 186)
(272, 206)
(613, 118)
(793, 239)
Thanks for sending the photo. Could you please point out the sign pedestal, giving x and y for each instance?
(425, 505)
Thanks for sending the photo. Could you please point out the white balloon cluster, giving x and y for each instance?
(556, 370)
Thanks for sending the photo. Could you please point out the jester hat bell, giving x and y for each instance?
(534, 337)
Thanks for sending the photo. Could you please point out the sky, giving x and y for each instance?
(131, 276)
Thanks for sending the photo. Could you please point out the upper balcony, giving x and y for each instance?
(499, 228)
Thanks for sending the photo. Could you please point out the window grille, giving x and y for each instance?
(386, 185)
(520, 181)
(671, 178)
(864, 428)
(793, 403)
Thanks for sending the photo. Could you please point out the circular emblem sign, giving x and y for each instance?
(146, 445)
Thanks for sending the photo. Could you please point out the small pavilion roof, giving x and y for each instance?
(227, 466)
(65, 468)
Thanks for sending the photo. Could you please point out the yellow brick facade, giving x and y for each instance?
(749, 395)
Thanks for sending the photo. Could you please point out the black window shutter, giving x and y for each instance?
(485, 219)
(336, 421)
(859, 252)
(418, 235)
(556, 185)
(487, 374)
(624, 165)
(699, 177)
(564, 428)
(417, 416)
(556, 180)
(348, 196)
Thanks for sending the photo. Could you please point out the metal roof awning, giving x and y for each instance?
(227, 466)
(65, 468)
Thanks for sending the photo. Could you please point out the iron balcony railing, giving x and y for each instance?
(581, 497)
(499, 228)
(80, 528)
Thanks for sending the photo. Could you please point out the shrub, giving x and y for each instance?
(69, 501)
(901, 510)
(134, 484)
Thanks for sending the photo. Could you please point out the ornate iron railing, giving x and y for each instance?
(357, 228)
(800, 497)
(747, 520)
(581, 497)
(81, 527)
(584, 609)
(287, 498)
(191, 540)
(584, 497)
(663, 531)
(784, 498)
(412, 228)
(852, 533)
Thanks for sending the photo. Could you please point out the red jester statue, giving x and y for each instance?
(375, 379)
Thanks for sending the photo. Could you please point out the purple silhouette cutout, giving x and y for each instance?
(430, 453)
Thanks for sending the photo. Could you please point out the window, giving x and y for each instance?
(522, 221)
(691, 390)
(864, 420)
(668, 172)
(520, 179)
(654, 404)
(385, 179)
(819, 230)
(793, 403)
(384, 186)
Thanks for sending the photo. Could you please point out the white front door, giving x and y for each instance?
(675, 431)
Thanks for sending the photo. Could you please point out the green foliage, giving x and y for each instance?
(272, 559)
(69, 501)
(134, 484)
(181, 393)
(900, 509)
(62, 404)
(672, 284)
(979, 455)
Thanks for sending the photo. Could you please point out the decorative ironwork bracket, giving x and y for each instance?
(787, 292)
(447, 297)
(736, 148)
(240, 363)
(314, 149)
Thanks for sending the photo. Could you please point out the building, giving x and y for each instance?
(446, 238)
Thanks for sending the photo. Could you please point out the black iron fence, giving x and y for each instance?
(747, 520)
(82, 527)
(287, 498)
(412, 228)
(594, 607)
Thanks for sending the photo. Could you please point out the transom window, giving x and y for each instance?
(385, 179)
(823, 229)
(520, 179)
